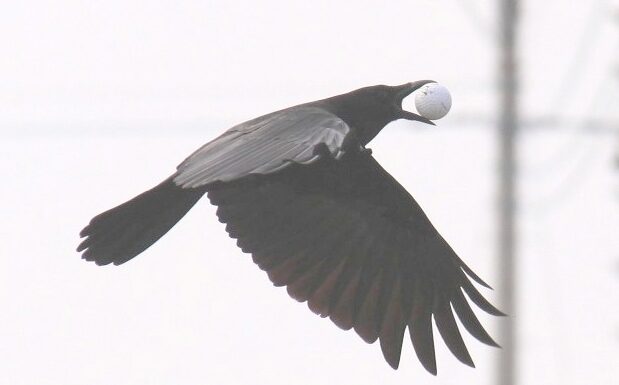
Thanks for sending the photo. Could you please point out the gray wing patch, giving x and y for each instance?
(263, 146)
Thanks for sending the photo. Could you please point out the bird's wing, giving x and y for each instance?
(346, 237)
(265, 145)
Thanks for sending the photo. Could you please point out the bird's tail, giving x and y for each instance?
(123, 232)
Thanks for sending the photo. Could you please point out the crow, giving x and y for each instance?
(301, 193)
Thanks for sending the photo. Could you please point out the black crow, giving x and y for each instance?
(301, 193)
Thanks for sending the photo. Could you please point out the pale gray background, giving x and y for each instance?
(101, 100)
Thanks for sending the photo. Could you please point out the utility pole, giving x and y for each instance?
(508, 126)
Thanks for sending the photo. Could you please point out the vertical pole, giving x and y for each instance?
(508, 124)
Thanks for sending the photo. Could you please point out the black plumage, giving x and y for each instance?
(300, 192)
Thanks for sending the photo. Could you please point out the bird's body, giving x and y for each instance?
(299, 191)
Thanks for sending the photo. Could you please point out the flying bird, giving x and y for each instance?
(301, 193)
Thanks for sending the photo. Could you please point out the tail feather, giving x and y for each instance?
(121, 233)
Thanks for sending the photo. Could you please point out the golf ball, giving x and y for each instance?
(433, 101)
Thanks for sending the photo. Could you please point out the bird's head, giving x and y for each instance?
(368, 110)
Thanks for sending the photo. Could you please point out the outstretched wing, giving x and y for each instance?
(264, 145)
(346, 237)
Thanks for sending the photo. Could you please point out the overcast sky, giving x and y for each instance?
(101, 100)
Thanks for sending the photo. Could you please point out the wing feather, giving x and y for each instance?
(446, 325)
(420, 330)
(393, 326)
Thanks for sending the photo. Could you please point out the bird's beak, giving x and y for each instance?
(402, 92)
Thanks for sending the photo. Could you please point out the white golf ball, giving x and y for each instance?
(433, 101)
